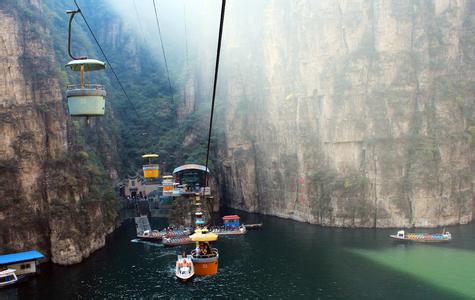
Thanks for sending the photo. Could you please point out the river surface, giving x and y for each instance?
(285, 259)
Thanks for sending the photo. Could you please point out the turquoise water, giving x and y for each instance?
(285, 259)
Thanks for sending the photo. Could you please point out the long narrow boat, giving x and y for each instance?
(422, 237)
(149, 235)
(144, 231)
(253, 226)
(176, 241)
(229, 230)
(184, 268)
(175, 232)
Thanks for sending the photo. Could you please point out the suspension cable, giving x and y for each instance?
(220, 35)
(186, 33)
(107, 59)
(138, 21)
(163, 49)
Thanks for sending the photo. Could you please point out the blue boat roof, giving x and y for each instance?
(20, 256)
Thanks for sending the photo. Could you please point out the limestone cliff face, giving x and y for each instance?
(47, 201)
(349, 113)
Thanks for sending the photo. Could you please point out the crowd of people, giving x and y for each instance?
(203, 249)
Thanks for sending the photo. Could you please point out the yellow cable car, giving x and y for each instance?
(150, 171)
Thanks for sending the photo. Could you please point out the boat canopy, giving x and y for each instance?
(7, 272)
(89, 65)
(203, 236)
(231, 217)
(191, 167)
(150, 155)
(20, 257)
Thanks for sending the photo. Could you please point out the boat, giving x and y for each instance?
(205, 258)
(8, 278)
(422, 237)
(169, 233)
(232, 226)
(149, 235)
(176, 241)
(184, 269)
(229, 231)
(253, 226)
(144, 231)
(19, 266)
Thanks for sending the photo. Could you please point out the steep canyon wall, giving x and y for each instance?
(50, 195)
(349, 113)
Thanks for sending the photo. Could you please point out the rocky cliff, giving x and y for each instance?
(349, 113)
(52, 196)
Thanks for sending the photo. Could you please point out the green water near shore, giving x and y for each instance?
(450, 269)
(285, 259)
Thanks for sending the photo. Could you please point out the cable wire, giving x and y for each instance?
(186, 33)
(163, 49)
(107, 59)
(220, 35)
(138, 22)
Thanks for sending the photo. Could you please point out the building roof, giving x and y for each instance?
(191, 167)
(231, 217)
(20, 257)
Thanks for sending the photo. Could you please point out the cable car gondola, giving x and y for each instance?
(84, 100)
(150, 171)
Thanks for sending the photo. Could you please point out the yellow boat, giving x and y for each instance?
(205, 258)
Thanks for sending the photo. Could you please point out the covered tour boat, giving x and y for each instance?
(231, 226)
(184, 269)
(205, 258)
(422, 237)
(16, 267)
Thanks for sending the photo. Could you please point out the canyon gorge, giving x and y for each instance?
(341, 113)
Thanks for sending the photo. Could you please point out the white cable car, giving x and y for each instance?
(86, 100)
